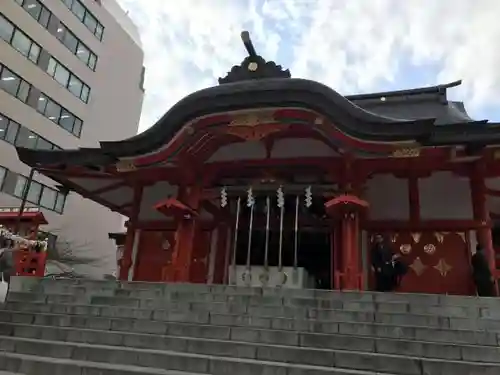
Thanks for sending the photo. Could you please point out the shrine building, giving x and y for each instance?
(268, 180)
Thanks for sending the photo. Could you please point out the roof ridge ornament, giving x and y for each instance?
(253, 66)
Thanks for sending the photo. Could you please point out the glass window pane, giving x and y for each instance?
(43, 144)
(90, 22)
(33, 7)
(20, 2)
(60, 32)
(83, 53)
(51, 69)
(99, 31)
(75, 86)
(60, 201)
(53, 111)
(24, 91)
(68, 3)
(70, 41)
(42, 103)
(92, 61)
(44, 17)
(78, 10)
(19, 186)
(77, 130)
(26, 138)
(34, 52)
(3, 172)
(85, 93)
(67, 120)
(34, 192)
(6, 29)
(12, 132)
(4, 125)
(9, 81)
(62, 75)
(49, 198)
(21, 42)
(9, 184)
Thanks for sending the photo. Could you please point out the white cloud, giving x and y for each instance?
(351, 45)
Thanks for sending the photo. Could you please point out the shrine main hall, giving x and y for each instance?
(269, 180)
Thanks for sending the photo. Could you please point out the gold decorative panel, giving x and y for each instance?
(416, 237)
(405, 249)
(443, 267)
(418, 266)
(430, 248)
(407, 152)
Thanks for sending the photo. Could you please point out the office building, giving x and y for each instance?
(71, 75)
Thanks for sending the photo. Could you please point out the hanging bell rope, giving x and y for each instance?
(235, 243)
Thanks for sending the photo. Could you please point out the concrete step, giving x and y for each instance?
(286, 336)
(37, 365)
(153, 290)
(263, 316)
(261, 360)
(155, 361)
(244, 303)
(247, 345)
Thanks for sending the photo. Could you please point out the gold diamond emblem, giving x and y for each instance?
(418, 266)
(443, 267)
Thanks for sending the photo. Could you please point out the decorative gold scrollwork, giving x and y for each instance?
(252, 119)
(125, 166)
(462, 236)
(416, 236)
(394, 237)
(406, 152)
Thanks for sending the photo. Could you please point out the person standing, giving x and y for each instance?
(481, 273)
(382, 263)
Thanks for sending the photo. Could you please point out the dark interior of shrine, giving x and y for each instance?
(313, 239)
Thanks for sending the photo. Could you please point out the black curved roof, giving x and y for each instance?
(423, 114)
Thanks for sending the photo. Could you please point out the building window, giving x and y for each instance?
(19, 40)
(84, 15)
(67, 79)
(42, 15)
(62, 117)
(19, 88)
(26, 138)
(39, 194)
(13, 84)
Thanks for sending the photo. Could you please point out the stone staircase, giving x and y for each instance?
(84, 327)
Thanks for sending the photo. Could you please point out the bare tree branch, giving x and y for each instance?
(70, 252)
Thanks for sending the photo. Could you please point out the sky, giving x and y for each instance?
(353, 46)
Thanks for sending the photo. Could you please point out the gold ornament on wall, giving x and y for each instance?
(418, 266)
(394, 237)
(430, 248)
(416, 236)
(439, 236)
(405, 249)
(443, 267)
(462, 236)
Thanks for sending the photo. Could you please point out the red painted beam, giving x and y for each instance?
(434, 225)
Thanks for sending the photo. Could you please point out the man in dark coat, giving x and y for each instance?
(388, 267)
(381, 259)
(481, 274)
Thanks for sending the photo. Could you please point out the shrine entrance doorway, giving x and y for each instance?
(313, 252)
(439, 262)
